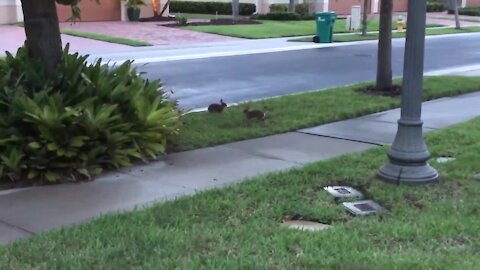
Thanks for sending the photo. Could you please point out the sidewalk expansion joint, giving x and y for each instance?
(263, 156)
(340, 138)
(16, 227)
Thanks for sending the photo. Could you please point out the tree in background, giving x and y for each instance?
(384, 58)
(291, 6)
(366, 4)
(454, 6)
(156, 7)
(235, 9)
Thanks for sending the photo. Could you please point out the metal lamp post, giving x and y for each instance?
(409, 154)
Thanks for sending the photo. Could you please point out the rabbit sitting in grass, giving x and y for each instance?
(217, 107)
(255, 114)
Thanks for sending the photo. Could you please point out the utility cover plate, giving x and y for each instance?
(445, 159)
(305, 225)
(363, 208)
(342, 191)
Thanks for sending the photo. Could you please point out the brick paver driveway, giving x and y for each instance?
(152, 32)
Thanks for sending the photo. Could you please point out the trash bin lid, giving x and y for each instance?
(328, 13)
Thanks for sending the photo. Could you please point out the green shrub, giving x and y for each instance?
(301, 9)
(435, 7)
(181, 20)
(87, 118)
(245, 9)
(468, 11)
(210, 7)
(277, 8)
(283, 16)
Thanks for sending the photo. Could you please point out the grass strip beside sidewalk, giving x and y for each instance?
(374, 36)
(428, 227)
(106, 38)
(297, 111)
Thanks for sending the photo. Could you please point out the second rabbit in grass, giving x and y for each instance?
(255, 114)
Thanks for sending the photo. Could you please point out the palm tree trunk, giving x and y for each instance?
(291, 6)
(457, 17)
(155, 8)
(365, 17)
(43, 33)
(384, 58)
(235, 9)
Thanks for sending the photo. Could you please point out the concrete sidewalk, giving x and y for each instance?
(29, 211)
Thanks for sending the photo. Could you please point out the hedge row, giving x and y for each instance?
(468, 11)
(299, 8)
(435, 7)
(210, 7)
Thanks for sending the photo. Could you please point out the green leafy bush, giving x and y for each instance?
(181, 20)
(276, 8)
(435, 7)
(301, 9)
(87, 118)
(283, 16)
(224, 8)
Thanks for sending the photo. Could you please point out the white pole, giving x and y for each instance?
(18, 11)
(326, 6)
(375, 6)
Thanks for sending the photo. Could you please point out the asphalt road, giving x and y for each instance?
(200, 82)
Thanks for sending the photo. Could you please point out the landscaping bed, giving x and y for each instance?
(157, 19)
(221, 21)
(239, 227)
(206, 16)
(395, 91)
(210, 7)
(225, 21)
(81, 120)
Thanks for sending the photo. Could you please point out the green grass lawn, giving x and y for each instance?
(429, 32)
(106, 38)
(293, 112)
(275, 29)
(427, 227)
(272, 29)
(463, 19)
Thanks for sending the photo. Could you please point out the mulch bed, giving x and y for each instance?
(157, 19)
(225, 22)
(217, 22)
(396, 91)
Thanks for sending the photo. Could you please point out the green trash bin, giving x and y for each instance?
(325, 22)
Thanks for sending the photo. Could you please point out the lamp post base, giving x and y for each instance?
(409, 174)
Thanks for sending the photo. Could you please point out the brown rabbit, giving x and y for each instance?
(259, 115)
(217, 107)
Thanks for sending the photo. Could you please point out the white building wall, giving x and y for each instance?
(10, 11)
